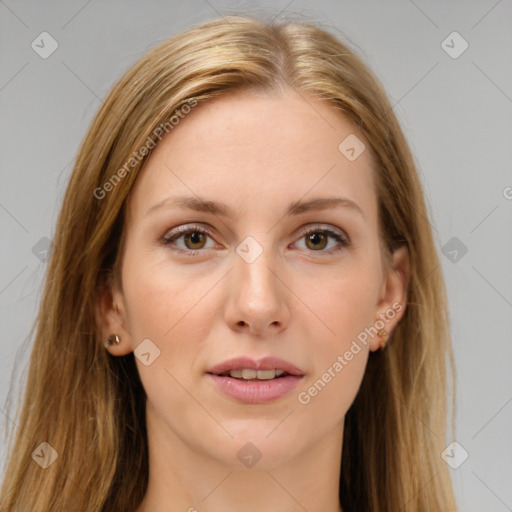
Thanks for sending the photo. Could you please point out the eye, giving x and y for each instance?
(194, 239)
(317, 239)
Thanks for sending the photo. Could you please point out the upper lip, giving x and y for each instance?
(266, 363)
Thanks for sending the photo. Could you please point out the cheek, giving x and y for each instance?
(163, 301)
(330, 393)
(169, 308)
(343, 300)
(344, 306)
(339, 358)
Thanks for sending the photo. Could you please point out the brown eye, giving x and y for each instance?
(316, 240)
(188, 239)
(194, 240)
(324, 240)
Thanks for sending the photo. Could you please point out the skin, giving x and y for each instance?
(256, 152)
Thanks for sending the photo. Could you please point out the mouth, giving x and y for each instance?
(248, 374)
(256, 382)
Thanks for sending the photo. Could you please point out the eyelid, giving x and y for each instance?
(332, 231)
(176, 233)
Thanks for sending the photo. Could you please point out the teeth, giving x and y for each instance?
(249, 374)
(255, 374)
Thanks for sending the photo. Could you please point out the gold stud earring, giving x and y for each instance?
(113, 339)
(384, 335)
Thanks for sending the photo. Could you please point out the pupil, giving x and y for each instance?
(195, 237)
(317, 238)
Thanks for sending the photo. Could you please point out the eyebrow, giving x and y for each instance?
(199, 204)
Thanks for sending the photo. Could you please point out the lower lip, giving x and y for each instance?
(256, 391)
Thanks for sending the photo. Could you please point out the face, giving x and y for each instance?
(243, 276)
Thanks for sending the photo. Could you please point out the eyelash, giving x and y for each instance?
(168, 239)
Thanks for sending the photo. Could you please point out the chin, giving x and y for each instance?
(258, 447)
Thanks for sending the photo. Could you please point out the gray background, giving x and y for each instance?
(456, 114)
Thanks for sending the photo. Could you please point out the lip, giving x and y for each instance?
(267, 363)
(256, 391)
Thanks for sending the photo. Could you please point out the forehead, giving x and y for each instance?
(258, 150)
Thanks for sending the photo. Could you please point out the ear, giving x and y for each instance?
(393, 294)
(111, 317)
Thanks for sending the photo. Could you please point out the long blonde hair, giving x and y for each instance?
(90, 406)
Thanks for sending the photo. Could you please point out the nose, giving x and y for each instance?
(257, 297)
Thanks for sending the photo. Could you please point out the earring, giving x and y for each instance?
(384, 335)
(113, 339)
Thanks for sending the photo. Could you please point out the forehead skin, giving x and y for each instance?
(258, 151)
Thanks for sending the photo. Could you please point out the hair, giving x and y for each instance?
(90, 406)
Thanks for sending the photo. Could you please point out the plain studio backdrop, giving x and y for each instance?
(446, 68)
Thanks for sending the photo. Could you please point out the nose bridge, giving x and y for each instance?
(255, 281)
(257, 294)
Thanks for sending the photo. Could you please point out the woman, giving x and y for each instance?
(244, 306)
